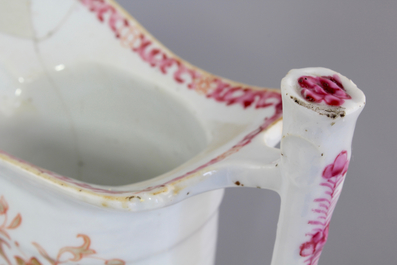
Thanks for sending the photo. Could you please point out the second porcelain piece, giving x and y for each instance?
(115, 151)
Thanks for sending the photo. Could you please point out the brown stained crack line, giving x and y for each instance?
(330, 112)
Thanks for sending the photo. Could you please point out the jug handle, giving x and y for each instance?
(309, 169)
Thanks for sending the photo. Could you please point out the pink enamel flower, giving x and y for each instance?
(338, 168)
(325, 88)
(316, 244)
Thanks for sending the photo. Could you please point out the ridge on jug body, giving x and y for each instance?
(120, 151)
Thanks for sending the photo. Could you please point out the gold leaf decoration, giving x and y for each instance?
(31, 261)
(44, 253)
(15, 222)
(3, 205)
(78, 252)
(115, 262)
(2, 253)
(4, 233)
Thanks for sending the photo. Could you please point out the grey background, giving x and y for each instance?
(258, 42)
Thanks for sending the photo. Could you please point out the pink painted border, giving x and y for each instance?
(134, 38)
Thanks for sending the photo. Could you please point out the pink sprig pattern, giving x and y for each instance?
(333, 176)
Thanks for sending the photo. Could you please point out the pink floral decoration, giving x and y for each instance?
(132, 37)
(333, 176)
(338, 168)
(316, 243)
(327, 88)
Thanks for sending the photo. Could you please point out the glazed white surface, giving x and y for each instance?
(70, 92)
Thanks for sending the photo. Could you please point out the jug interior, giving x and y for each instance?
(97, 124)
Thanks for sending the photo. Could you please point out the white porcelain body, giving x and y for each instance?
(115, 151)
(183, 233)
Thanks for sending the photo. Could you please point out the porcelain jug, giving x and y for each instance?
(116, 151)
